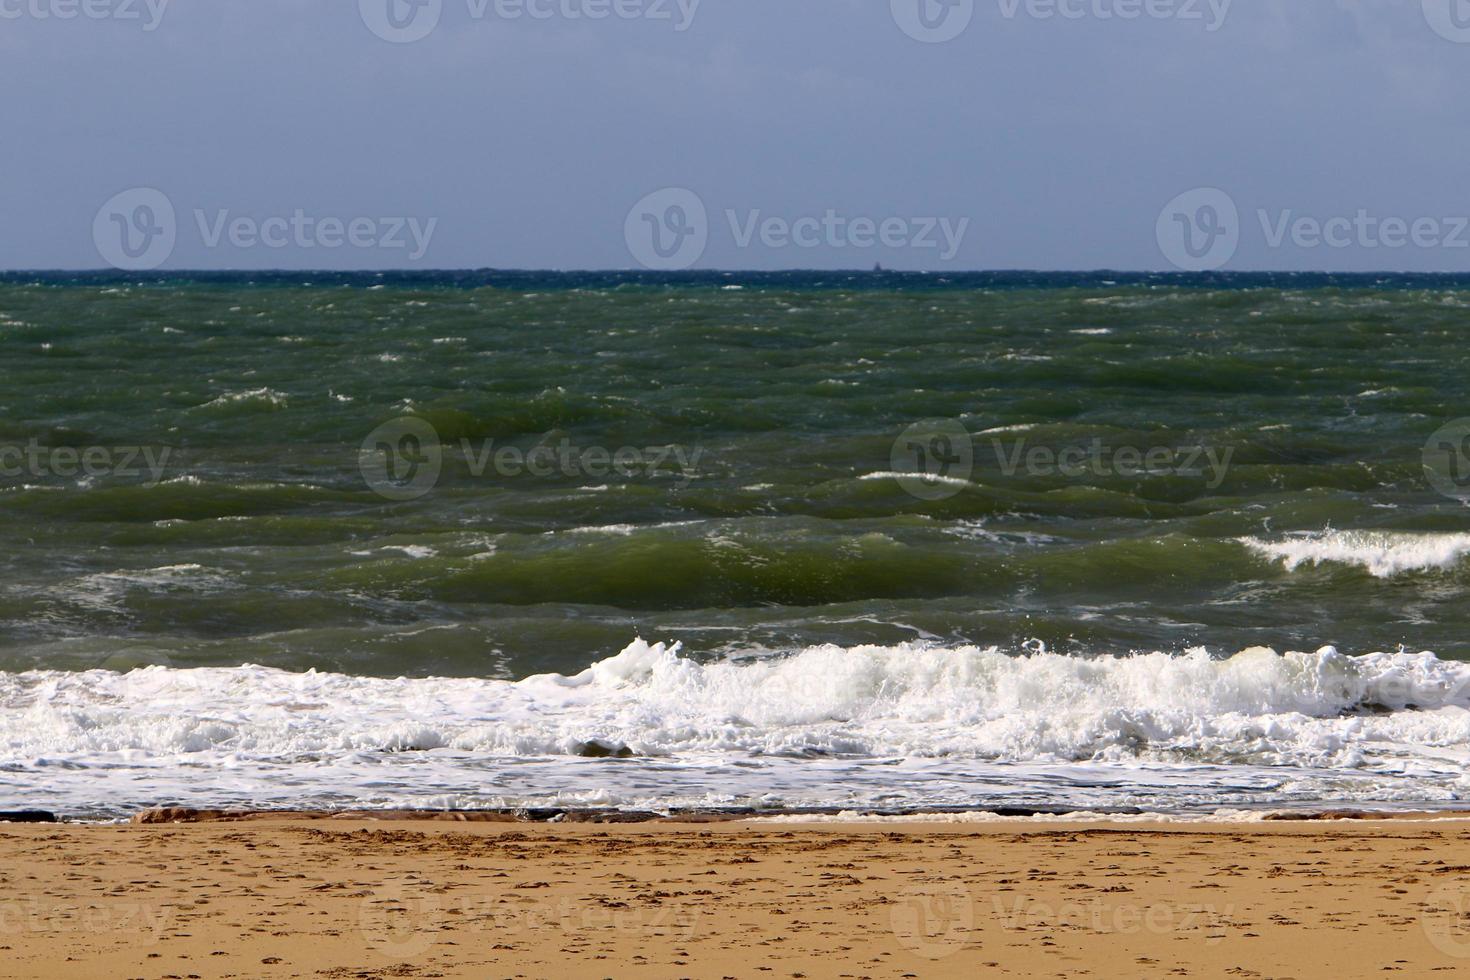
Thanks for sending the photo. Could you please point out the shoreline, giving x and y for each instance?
(552, 816)
(354, 896)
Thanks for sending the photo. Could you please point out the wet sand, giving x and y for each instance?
(358, 898)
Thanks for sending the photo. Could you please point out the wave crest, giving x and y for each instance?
(909, 701)
(1384, 554)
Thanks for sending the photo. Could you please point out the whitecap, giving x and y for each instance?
(1383, 553)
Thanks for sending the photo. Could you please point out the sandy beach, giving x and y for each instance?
(359, 898)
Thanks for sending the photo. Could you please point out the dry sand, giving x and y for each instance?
(347, 898)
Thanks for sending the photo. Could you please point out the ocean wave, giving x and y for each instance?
(1381, 712)
(930, 478)
(1384, 554)
(255, 400)
(107, 591)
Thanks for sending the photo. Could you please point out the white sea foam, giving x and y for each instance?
(411, 550)
(108, 591)
(1383, 553)
(256, 399)
(975, 530)
(827, 726)
(625, 530)
(949, 481)
(904, 700)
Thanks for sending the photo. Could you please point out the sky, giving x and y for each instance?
(736, 134)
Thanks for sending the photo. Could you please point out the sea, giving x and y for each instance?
(880, 542)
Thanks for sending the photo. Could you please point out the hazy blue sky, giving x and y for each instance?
(1036, 141)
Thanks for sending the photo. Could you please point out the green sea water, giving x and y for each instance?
(760, 508)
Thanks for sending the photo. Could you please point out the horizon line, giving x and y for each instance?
(462, 270)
